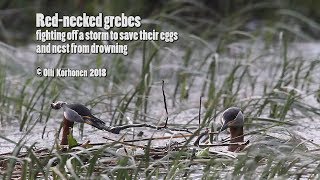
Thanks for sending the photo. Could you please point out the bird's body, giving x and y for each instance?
(72, 115)
(80, 109)
(76, 113)
(234, 120)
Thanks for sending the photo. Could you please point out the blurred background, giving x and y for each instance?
(204, 18)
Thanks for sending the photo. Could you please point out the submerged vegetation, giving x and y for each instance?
(254, 55)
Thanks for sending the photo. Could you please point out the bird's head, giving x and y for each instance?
(58, 104)
(232, 117)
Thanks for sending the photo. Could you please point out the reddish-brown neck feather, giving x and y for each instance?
(66, 131)
(236, 137)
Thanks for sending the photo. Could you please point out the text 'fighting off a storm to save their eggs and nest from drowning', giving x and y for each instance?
(87, 34)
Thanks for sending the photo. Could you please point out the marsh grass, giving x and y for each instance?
(272, 86)
(3, 93)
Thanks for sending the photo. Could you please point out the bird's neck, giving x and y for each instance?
(236, 137)
(67, 125)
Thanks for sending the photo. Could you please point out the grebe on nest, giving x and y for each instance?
(75, 113)
(233, 119)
